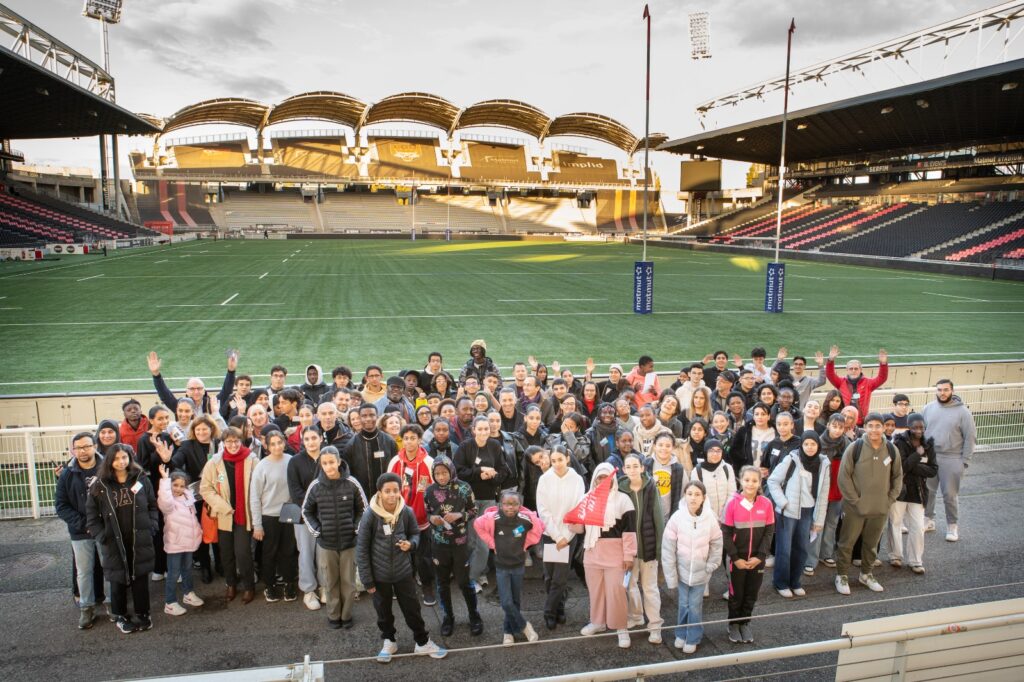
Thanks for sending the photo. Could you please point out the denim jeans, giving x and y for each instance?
(791, 542)
(178, 564)
(85, 567)
(691, 613)
(510, 587)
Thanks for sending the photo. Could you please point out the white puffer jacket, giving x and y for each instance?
(691, 547)
(720, 484)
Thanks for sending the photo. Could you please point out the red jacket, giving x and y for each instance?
(416, 476)
(130, 436)
(864, 387)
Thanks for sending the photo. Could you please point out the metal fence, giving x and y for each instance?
(29, 457)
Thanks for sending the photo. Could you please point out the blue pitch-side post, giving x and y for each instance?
(448, 235)
(643, 287)
(774, 288)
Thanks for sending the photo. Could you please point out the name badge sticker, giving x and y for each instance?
(387, 529)
(887, 461)
(378, 454)
(477, 461)
(137, 487)
(746, 504)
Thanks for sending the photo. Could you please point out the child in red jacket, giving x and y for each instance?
(747, 529)
(509, 533)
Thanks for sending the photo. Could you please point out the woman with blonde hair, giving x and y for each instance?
(700, 405)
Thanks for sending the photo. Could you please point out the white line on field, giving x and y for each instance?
(748, 299)
(540, 300)
(264, 275)
(230, 298)
(2, 298)
(285, 260)
(85, 278)
(962, 298)
(823, 279)
(160, 261)
(10, 308)
(206, 305)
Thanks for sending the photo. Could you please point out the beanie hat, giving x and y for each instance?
(713, 443)
(479, 342)
(618, 367)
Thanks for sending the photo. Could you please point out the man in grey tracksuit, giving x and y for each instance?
(951, 424)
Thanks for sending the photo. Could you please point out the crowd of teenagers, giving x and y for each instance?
(399, 488)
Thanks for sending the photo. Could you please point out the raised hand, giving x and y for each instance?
(555, 367)
(532, 362)
(737, 360)
(883, 357)
(162, 449)
(707, 358)
(164, 471)
(833, 352)
(819, 357)
(782, 354)
(214, 404)
(153, 360)
(232, 360)
(590, 366)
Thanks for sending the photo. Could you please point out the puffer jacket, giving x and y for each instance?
(917, 468)
(748, 533)
(650, 522)
(377, 555)
(101, 520)
(332, 509)
(71, 497)
(787, 502)
(720, 485)
(691, 548)
(182, 532)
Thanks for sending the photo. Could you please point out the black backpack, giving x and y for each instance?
(858, 445)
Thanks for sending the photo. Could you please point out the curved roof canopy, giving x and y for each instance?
(654, 139)
(321, 105)
(230, 110)
(595, 127)
(504, 113)
(415, 107)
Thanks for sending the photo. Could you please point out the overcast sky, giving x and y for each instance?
(560, 55)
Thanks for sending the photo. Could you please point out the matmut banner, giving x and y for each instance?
(590, 510)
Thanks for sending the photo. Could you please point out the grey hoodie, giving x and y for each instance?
(952, 426)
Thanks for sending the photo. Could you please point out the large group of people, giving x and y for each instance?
(397, 487)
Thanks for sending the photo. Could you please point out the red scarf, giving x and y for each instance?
(411, 493)
(238, 460)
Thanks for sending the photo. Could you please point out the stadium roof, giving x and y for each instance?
(416, 107)
(38, 103)
(981, 106)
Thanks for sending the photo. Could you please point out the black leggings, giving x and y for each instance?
(744, 584)
(453, 561)
(140, 597)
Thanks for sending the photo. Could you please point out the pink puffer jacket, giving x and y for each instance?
(182, 532)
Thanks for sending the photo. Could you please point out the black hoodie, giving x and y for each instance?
(109, 424)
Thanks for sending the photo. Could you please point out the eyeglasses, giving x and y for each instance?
(83, 448)
(903, 403)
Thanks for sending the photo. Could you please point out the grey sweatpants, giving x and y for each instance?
(951, 471)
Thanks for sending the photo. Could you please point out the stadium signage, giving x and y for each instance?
(503, 161)
(643, 287)
(774, 288)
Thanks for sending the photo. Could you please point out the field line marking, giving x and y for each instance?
(748, 299)
(230, 298)
(160, 261)
(285, 260)
(10, 308)
(963, 298)
(206, 305)
(92, 277)
(543, 300)
(264, 275)
(2, 298)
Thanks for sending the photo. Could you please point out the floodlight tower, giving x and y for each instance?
(107, 12)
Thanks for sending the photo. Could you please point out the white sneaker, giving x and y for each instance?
(904, 530)
(842, 585)
(482, 581)
(929, 526)
(689, 648)
(192, 599)
(725, 595)
(799, 592)
(387, 649)
(679, 643)
(529, 559)
(654, 637)
(313, 604)
(174, 609)
(592, 629)
(634, 623)
(952, 533)
(869, 581)
(431, 649)
(624, 640)
(508, 640)
(707, 590)
(785, 592)
(157, 577)
(530, 633)
(770, 561)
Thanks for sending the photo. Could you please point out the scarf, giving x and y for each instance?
(813, 465)
(238, 461)
(618, 504)
(390, 518)
(709, 467)
(646, 436)
(411, 473)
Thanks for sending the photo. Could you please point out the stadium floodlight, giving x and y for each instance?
(700, 35)
(108, 11)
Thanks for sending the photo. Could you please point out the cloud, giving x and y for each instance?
(492, 45)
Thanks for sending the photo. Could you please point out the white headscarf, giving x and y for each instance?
(618, 505)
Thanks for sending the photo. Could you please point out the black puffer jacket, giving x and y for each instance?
(917, 468)
(101, 520)
(332, 509)
(191, 456)
(377, 555)
(71, 498)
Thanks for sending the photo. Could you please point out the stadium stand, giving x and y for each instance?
(178, 203)
(543, 214)
(212, 154)
(469, 213)
(364, 211)
(80, 224)
(242, 209)
(315, 155)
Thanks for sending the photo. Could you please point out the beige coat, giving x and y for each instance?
(216, 491)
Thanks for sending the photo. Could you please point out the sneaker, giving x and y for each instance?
(387, 649)
(144, 622)
(917, 569)
(634, 623)
(869, 581)
(321, 594)
(192, 599)
(529, 560)
(734, 634)
(831, 563)
(110, 613)
(478, 587)
(290, 593)
(347, 624)
(624, 640)
(748, 636)
(679, 643)
(770, 561)
(654, 637)
(447, 626)
(272, 594)
(125, 626)
(174, 609)
(592, 629)
(482, 581)
(312, 603)
(429, 599)
(857, 562)
(799, 592)
(876, 563)
(896, 563)
(808, 570)
(508, 640)
(530, 634)
(689, 648)
(476, 625)
(929, 526)
(785, 592)
(157, 577)
(725, 595)
(86, 617)
(952, 533)
(842, 585)
(904, 530)
(431, 649)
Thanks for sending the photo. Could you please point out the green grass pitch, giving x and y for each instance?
(86, 323)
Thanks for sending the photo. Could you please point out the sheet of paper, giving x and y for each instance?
(553, 555)
(649, 380)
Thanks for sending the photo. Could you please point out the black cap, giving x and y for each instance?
(396, 381)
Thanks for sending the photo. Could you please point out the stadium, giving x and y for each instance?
(305, 226)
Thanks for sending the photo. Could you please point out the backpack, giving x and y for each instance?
(858, 445)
